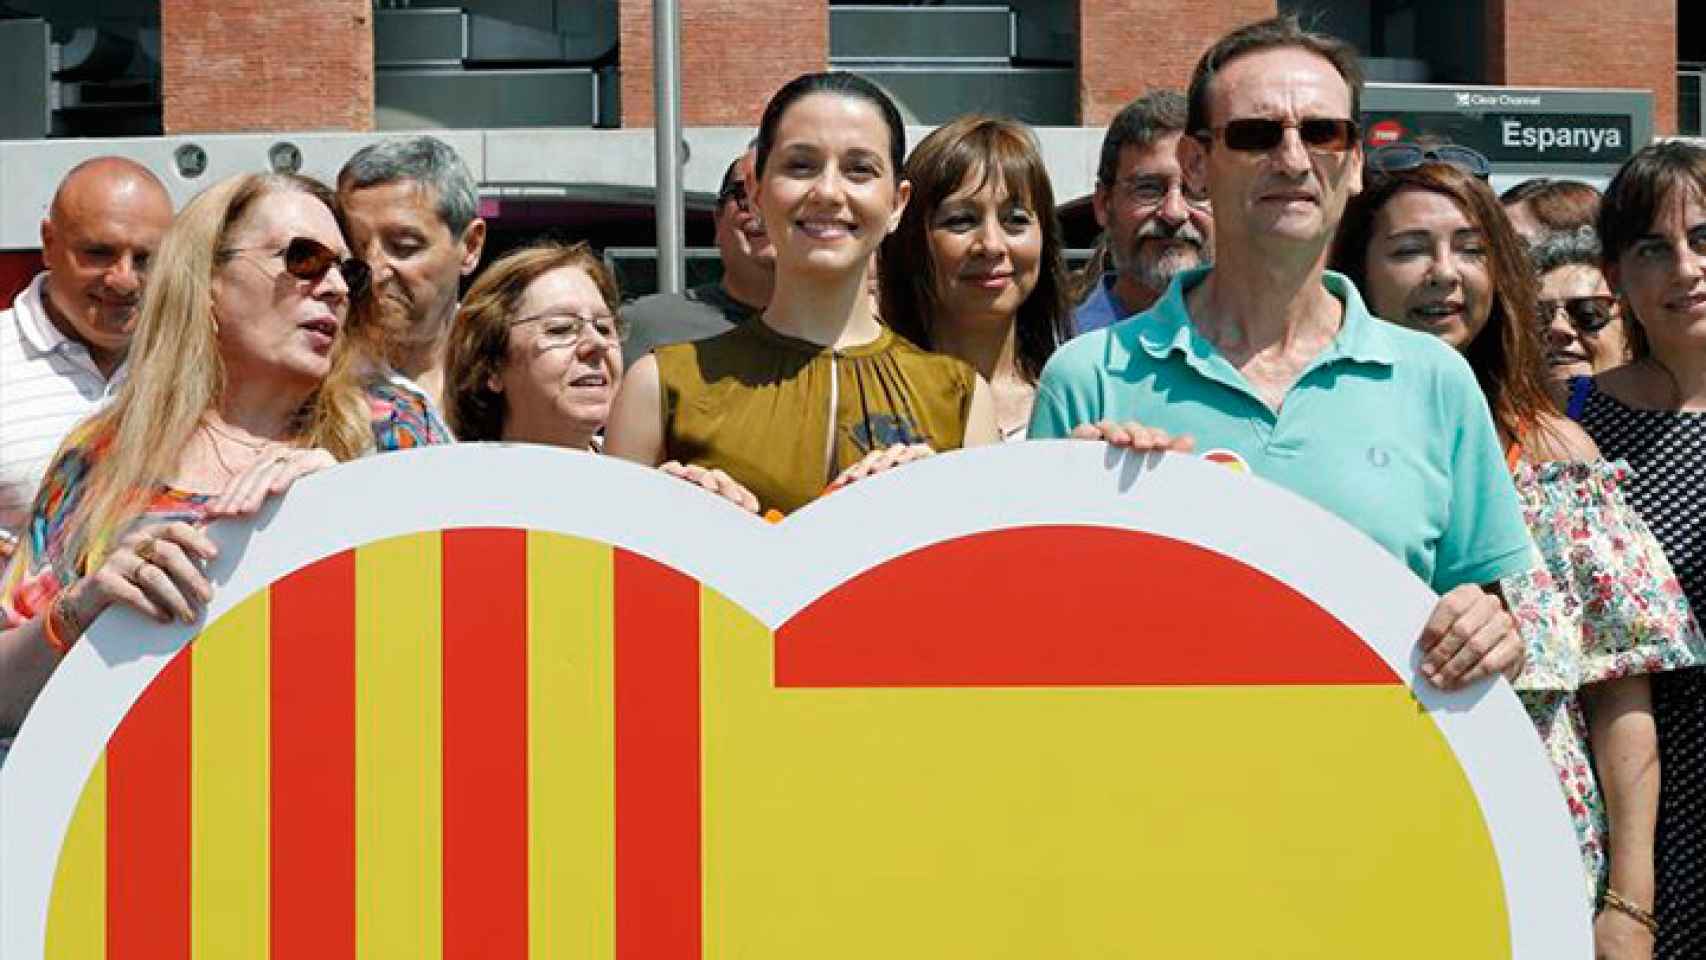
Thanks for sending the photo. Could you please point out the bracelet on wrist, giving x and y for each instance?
(60, 626)
(1617, 901)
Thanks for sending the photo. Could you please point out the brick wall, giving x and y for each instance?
(255, 65)
(734, 54)
(1587, 43)
(1125, 47)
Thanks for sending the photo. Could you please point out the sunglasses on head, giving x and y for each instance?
(1397, 157)
(1587, 314)
(309, 260)
(733, 190)
(1259, 135)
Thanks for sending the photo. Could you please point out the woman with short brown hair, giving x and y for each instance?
(535, 355)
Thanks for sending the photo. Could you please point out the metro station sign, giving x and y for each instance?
(1594, 130)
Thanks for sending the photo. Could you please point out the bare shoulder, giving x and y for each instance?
(634, 430)
(1558, 438)
(644, 372)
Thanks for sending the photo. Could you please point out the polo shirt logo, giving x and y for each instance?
(1228, 458)
(1378, 457)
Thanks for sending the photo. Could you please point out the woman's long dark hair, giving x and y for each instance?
(1507, 356)
(841, 84)
(994, 150)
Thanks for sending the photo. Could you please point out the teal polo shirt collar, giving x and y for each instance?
(1166, 328)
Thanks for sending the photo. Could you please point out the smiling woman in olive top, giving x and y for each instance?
(814, 392)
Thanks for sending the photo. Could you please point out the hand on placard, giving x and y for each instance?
(1134, 436)
(156, 569)
(268, 476)
(716, 481)
(878, 461)
(1469, 636)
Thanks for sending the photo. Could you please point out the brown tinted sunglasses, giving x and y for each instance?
(1587, 314)
(309, 260)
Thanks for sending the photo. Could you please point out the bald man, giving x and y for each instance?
(62, 344)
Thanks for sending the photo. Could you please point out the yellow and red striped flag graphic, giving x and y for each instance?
(518, 744)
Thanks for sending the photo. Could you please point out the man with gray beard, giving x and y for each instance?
(1153, 227)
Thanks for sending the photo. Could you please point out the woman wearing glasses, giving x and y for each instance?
(814, 392)
(1580, 318)
(535, 355)
(1433, 251)
(974, 270)
(1652, 413)
(240, 383)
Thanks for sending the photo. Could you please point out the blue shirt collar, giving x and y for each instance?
(1166, 327)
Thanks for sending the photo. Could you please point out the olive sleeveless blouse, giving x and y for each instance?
(756, 404)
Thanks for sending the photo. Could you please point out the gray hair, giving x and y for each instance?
(429, 162)
(1141, 123)
(1563, 248)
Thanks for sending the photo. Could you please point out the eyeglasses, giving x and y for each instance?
(1587, 314)
(1144, 193)
(1397, 157)
(309, 260)
(733, 190)
(570, 330)
(1259, 135)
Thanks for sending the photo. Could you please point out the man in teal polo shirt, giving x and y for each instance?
(1267, 359)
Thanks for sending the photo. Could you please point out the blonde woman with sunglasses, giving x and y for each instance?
(242, 380)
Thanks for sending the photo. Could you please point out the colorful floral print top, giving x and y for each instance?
(1603, 604)
(401, 418)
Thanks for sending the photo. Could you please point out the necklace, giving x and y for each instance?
(213, 435)
(239, 441)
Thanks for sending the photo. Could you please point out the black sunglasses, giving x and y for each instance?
(309, 260)
(1587, 314)
(1397, 157)
(1259, 135)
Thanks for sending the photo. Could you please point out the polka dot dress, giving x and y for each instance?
(1668, 453)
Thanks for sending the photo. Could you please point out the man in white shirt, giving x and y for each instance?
(63, 342)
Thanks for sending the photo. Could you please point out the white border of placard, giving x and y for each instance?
(774, 571)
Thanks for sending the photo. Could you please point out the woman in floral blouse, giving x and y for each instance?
(238, 386)
(1602, 609)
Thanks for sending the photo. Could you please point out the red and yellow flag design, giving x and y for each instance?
(1050, 741)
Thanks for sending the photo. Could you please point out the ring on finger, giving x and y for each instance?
(145, 549)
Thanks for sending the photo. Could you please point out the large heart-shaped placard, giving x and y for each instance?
(1040, 700)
